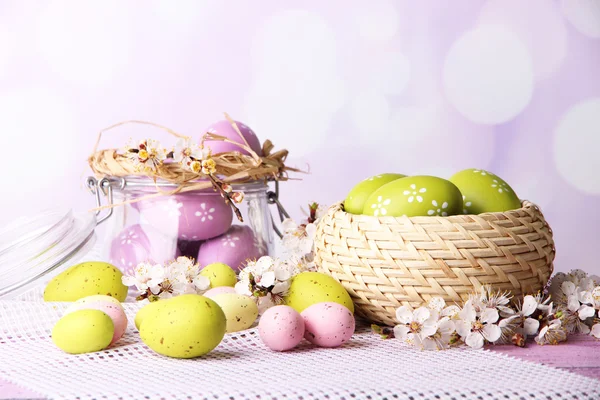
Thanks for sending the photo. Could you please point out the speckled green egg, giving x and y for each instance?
(83, 331)
(148, 311)
(310, 288)
(86, 279)
(355, 201)
(415, 196)
(186, 326)
(484, 192)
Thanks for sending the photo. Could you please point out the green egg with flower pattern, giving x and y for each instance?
(355, 201)
(413, 196)
(484, 191)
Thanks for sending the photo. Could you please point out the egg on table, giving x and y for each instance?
(484, 192)
(210, 293)
(233, 248)
(114, 311)
(224, 128)
(355, 201)
(148, 311)
(328, 324)
(83, 331)
(240, 311)
(86, 279)
(415, 196)
(308, 288)
(219, 274)
(185, 326)
(281, 328)
(188, 216)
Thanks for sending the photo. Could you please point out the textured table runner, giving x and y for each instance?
(241, 367)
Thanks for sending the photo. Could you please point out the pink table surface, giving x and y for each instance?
(580, 355)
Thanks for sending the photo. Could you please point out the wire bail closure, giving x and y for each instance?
(103, 186)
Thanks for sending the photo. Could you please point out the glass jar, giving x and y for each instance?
(145, 225)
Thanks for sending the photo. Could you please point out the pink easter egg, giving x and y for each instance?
(190, 216)
(218, 290)
(224, 128)
(137, 243)
(114, 311)
(233, 248)
(328, 324)
(281, 328)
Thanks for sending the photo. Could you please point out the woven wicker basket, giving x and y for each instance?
(386, 262)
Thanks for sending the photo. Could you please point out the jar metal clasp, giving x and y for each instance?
(103, 188)
(273, 198)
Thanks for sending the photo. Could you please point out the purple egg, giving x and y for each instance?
(188, 216)
(137, 243)
(224, 128)
(232, 248)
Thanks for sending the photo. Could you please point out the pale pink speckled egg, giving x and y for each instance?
(328, 324)
(224, 128)
(114, 311)
(232, 248)
(137, 243)
(281, 328)
(188, 216)
(218, 290)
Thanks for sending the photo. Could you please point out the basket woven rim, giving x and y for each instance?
(492, 215)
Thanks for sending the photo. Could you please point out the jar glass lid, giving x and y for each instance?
(34, 247)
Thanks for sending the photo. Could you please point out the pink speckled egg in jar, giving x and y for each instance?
(188, 216)
(233, 248)
(224, 128)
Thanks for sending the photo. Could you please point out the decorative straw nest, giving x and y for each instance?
(387, 262)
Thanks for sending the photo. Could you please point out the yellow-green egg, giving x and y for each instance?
(240, 311)
(415, 196)
(355, 201)
(187, 326)
(219, 274)
(484, 192)
(86, 279)
(98, 297)
(148, 311)
(309, 288)
(83, 331)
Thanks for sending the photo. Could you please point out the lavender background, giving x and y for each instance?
(351, 88)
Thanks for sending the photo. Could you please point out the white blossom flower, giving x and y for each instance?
(595, 331)
(436, 303)
(146, 276)
(523, 323)
(266, 279)
(488, 298)
(553, 333)
(475, 328)
(298, 239)
(416, 325)
(452, 312)
(185, 152)
(442, 337)
(147, 155)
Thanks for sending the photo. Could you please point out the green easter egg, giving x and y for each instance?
(355, 201)
(415, 196)
(83, 331)
(484, 192)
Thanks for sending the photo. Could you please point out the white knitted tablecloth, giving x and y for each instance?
(241, 367)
